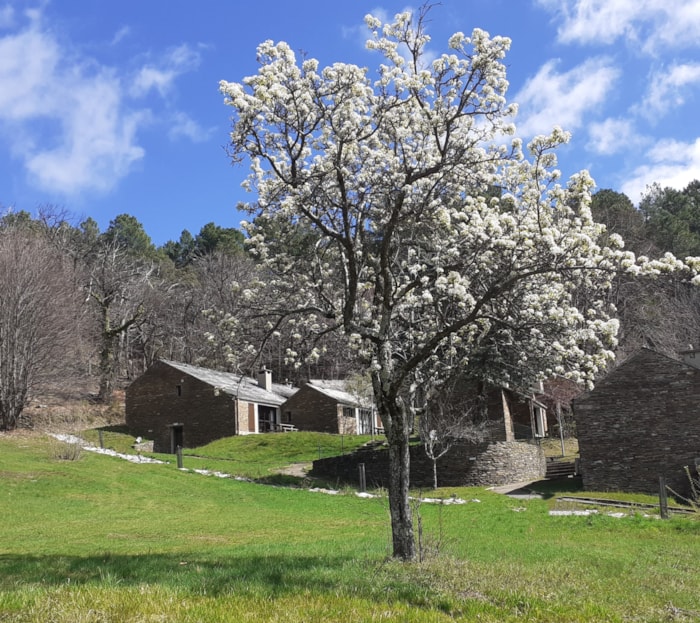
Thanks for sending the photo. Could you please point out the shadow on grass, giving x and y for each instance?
(284, 480)
(115, 428)
(254, 575)
(556, 486)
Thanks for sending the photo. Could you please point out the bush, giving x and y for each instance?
(64, 451)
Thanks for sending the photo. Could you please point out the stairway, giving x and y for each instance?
(561, 468)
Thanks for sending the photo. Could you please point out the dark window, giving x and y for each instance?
(179, 390)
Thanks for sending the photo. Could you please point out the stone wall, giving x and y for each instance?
(465, 464)
(311, 410)
(164, 396)
(641, 422)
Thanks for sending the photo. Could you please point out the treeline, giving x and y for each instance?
(663, 314)
(80, 305)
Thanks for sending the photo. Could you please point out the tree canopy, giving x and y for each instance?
(438, 247)
(673, 218)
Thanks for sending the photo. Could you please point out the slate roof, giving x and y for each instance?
(337, 390)
(242, 387)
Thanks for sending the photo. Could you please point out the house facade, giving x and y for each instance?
(178, 404)
(513, 416)
(328, 407)
(504, 414)
(640, 423)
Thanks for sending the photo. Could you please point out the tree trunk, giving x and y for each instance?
(398, 432)
(106, 357)
(106, 369)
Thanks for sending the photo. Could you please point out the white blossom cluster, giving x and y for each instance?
(430, 239)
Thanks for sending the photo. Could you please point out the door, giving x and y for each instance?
(267, 419)
(177, 437)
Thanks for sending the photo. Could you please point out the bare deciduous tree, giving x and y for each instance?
(117, 284)
(37, 314)
(449, 415)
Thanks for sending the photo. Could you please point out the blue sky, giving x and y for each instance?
(113, 107)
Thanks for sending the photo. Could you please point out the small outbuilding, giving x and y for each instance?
(640, 423)
(328, 407)
(178, 404)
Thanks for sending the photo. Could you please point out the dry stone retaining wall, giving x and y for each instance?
(466, 464)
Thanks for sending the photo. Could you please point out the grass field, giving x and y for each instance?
(98, 539)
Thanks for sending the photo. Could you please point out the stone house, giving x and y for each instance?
(178, 404)
(641, 422)
(328, 407)
(503, 414)
(514, 416)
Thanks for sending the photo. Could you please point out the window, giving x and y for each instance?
(179, 390)
(540, 422)
(365, 422)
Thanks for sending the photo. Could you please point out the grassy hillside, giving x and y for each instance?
(98, 539)
(259, 457)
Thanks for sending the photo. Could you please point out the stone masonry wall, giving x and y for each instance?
(163, 396)
(312, 410)
(465, 464)
(641, 422)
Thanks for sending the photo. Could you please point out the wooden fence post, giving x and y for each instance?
(363, 478)
(663, 499)
(102, 441)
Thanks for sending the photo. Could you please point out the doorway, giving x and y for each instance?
(267, 419)
(177, 437)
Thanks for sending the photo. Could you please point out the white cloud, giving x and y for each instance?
(66, 117)
(183, 126)
(670, 163)
(612, 136)
(27, 65)
(120, 35)
(681, 27)
(97, 145)
(162, 75)
(551, 98)
(668, 89)
(650, 24)
(152, 78)
(362, 33)
(7, 16)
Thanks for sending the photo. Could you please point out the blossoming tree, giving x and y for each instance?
(431, 241)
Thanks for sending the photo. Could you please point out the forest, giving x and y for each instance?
(90, 308)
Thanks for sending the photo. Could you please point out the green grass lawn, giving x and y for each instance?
(99, 539)
(258, 457)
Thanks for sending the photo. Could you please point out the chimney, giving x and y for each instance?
(265, 379)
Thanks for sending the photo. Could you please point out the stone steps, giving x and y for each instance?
(557, 468)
